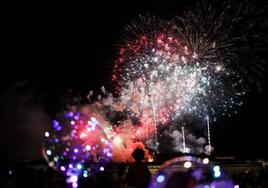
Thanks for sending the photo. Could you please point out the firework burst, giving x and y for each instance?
(167, 71)
(228, 33)
(160, 77)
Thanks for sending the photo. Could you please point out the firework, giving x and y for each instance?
(163, 77)
(229, 33)
(147, 42)
(195, 66)
(125, 134)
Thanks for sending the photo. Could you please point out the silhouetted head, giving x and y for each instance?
(138, 154)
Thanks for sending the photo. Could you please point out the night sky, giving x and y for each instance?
(49, 48)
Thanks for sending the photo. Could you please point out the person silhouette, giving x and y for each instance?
(138, 175)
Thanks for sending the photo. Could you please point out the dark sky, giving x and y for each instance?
(48, 48)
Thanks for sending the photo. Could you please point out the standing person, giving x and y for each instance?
(138, 175)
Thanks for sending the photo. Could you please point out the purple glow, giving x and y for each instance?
(74, 185)
(109, 154)
(73, 178)
(55, 123)
(69, 115)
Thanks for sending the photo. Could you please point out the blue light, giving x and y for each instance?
(55, 122)
(69, 115)
(160, 178)
(78, 166)
(217, 174)
(49, 152)
(58, 128)
(56, 125)
(85, 175)
(216, 168)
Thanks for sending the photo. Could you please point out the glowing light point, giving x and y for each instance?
(74, 185)
(216, 168)
(109, 154)
(117, 140)
(79, 166)
(76, 150)
(236, 186)
(73, 179)
(217, 174)
(151, 159)
(47, 134)
(101, 168)
(218, 68)
(56, 123)
(55, 159)
(205, 161)
(160, 178)
(195, 56)
(51, 164)
(69, 114)
(49, 152)
(83, 135)
(85, 175)
(88, 148)
(187, 164)
(62, 168)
